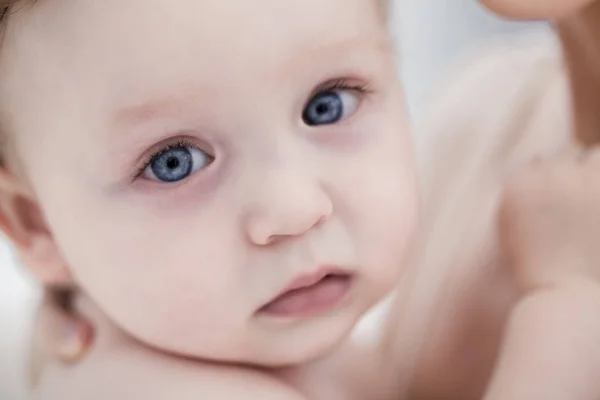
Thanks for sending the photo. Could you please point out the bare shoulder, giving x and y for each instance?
(502, 70)
(500, 95)
(136, 373)
(504, 107)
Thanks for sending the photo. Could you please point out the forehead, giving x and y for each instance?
(63, 47)
(109, 33)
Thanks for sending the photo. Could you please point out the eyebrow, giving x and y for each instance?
(134, 114)
(131, 115)
(336, 50)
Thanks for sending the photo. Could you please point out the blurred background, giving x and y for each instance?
(433, 35)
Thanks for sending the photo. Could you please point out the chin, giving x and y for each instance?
(304, 341)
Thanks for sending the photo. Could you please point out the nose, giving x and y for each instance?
(289, 204)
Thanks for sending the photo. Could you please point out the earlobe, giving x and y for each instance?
(22, 221)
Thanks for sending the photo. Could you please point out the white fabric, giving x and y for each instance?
(18, 300)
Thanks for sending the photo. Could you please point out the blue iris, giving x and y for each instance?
(323, 109)
(173, 165)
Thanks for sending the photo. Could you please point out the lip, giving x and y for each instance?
(310, 293)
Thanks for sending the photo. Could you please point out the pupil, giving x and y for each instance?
(322, 108)
(172, 163)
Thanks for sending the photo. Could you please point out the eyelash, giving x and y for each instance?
(181, 142)
(340, 84)
(337, 84)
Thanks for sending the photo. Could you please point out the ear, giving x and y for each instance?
(22, 221)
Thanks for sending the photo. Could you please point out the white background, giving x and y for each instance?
(433, 34)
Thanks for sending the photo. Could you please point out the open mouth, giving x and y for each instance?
(318, 296)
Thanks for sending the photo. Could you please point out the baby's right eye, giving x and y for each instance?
(176, 163)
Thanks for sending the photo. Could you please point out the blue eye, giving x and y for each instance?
(176, 163)
(330, 107)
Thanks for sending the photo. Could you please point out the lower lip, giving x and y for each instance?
(305, 302)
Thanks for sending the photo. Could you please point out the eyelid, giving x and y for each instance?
(341, 84)
(161, 148)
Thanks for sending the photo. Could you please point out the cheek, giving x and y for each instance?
(535, 9)
(160, 279)
(385, 207)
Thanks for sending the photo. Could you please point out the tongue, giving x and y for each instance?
(310, 298)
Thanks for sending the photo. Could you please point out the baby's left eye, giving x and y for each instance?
(330, 107)
(176, 163)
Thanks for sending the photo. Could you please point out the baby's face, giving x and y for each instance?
(196, 159)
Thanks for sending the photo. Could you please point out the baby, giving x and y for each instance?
(230, 186)
(226, 181)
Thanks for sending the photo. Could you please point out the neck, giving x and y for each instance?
(580, 38)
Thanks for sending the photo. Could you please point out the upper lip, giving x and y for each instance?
(312, 278)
